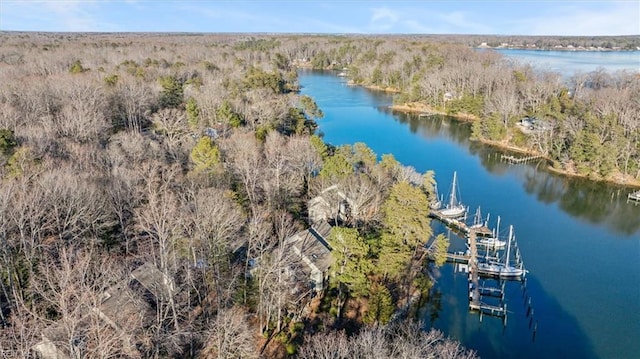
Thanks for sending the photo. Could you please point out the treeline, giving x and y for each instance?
(193, 155)
(588, 124)
(620, 43)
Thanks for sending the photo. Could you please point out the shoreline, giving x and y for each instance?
(422, 108)
(563, 49)
(375, 87)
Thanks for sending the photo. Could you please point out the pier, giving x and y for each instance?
(496, 306)
(475, 291)
(458, 257)
(634, 197)
(518, 160)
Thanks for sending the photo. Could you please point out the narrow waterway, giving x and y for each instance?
(579, 240)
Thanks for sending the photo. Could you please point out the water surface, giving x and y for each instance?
(568, 63)
(579, 240)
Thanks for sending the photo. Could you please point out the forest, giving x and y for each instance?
(157, 194)
(162, 193)
(586, 125)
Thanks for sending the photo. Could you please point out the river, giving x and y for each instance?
(579, 240)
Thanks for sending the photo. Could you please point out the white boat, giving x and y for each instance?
(493, 241)
(454, 209)
(502, 270)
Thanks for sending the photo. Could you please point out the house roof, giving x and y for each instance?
(152, 279)
(312, 248)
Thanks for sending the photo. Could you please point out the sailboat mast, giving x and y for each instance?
(506, 259)
(452, 202)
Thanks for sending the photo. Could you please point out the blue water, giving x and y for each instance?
(568, 63)
(579, 240)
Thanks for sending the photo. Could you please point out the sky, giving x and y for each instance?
(542, 17)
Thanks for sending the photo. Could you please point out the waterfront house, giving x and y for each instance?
(313, 254)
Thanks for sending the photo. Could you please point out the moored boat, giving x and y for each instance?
(455, 208)
(503, 269)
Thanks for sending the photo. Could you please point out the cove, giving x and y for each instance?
(579, 240)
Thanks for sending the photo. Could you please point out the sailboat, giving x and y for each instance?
(502, 270)
(492, 241)
(454, 209)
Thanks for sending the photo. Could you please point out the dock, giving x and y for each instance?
(476, 291)
(474, 282)
(493, 310)
(634, 197)
(486, 299)
(451, 222)
(458, 257)
(470, 260)
(518, 160)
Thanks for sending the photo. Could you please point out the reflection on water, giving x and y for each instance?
(579, 240)
(543, 330)
(598, 203)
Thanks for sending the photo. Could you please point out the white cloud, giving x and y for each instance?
(383, 19)
(424, 20)
(68, 15)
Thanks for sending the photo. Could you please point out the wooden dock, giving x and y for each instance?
(474, 282)
(458, 257)
(634, 197)
(475, 291)
(518, 160)
(470, 259)
(491, 292)
(494, 310)
(451, 222)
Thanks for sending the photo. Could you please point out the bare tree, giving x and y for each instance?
(245, 161)
(230, 337)
(72, 285)
(159, 219)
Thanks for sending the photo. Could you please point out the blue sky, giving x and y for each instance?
(587, 18)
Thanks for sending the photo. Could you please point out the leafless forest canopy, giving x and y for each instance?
(151, 188)
(152, 185)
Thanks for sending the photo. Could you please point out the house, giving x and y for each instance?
(330, 205)
(314, 253)
(124, 309)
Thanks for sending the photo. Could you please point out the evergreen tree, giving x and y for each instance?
(193, 112)
(336, 168)
(226, 114)
(205, 155)
(352, 263)
(380, 305)
(172, 94)
(406, 226)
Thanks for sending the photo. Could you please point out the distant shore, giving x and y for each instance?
(421, 108)
(561, 48)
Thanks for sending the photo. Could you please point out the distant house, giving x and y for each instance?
(530, 124)
(124, 307)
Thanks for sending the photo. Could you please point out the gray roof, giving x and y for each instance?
(312, 248)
